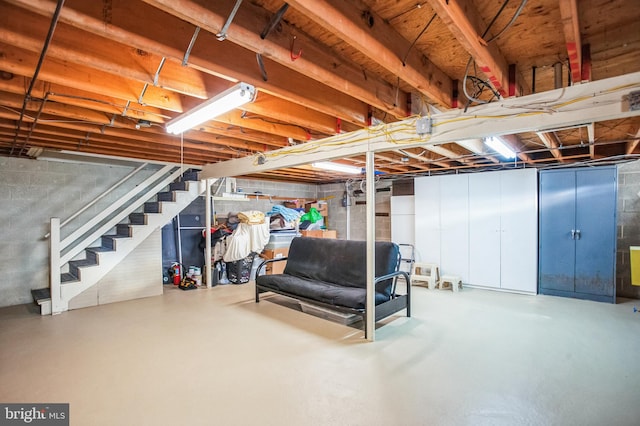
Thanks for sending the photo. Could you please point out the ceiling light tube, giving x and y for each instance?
(499, 146)
(336, 167)
(230, 99)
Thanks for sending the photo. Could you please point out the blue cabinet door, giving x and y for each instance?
(596, 231)
(557, 220)
(577, 222)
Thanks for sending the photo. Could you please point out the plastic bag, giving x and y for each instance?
(312, 216)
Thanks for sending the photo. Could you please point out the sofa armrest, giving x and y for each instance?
(265, 262)
(395, 276)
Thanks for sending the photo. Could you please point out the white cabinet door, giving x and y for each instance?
(484, 229)
(454, 220)
(402, 220)
(427, 219)
(519, 242)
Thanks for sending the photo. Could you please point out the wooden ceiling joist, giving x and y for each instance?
(381, 43)
(317, 61)
(116, 71)
(551, 141)
(518, 147)
(595, 101)
(124, 27)
(124, 61)
(632, 144)
(463, 20)
(422, 158)
(571, 28)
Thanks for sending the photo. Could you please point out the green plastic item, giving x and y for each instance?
(312, 216)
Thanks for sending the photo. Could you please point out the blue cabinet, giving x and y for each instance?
(577, 241)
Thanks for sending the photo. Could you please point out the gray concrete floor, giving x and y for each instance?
(214, 357)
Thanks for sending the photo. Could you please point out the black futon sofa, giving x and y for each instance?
(333, 273)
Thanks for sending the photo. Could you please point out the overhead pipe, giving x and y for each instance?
(33, 125)
(43, 53)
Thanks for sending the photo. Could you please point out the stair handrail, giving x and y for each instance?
(151, 185)
(100, 197)
(100, 224)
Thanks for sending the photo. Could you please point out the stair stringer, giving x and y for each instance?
(91, 275)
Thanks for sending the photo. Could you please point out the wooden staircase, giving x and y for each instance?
(119, 242)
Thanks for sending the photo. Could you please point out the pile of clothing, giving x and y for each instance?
(281, 217)
(250, 236)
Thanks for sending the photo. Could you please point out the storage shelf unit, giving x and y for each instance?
(578, 233)
(482, 227)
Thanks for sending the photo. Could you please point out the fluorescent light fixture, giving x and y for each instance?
(336, 167)
(230, 99)
(499, 146)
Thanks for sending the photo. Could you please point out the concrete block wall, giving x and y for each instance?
(628, 226)
(358, 213)
(33, 191)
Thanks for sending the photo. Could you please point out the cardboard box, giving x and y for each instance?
(320, 233)
(292, 204)
(323, 208)
(275, 267)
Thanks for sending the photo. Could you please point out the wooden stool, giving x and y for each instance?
(425, 272)
(452, 281)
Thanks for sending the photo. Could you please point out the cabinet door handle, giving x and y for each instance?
(573, 234)
(577, 234)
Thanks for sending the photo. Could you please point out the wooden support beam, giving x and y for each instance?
(317, 61)
(465, 23)
(58, 110)
(423, 159)
(239, 63)
(377, 40)
(586, 62)
(440, 150)
(596, 101)
(517, 146)
(632, 144)
(571, 27)
(591, 133)
(23, 62)
(551, 141)
(80, 98)
(24, 30)
(391, 163)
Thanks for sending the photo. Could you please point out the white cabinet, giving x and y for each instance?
(454, 226)
(503, 229)
(519, 225)
(402, 219)
(482, 227)
(427, 219)
(442, 223)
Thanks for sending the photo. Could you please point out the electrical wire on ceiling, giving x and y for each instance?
(404, 58)
(480, 85)
(340, 140)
